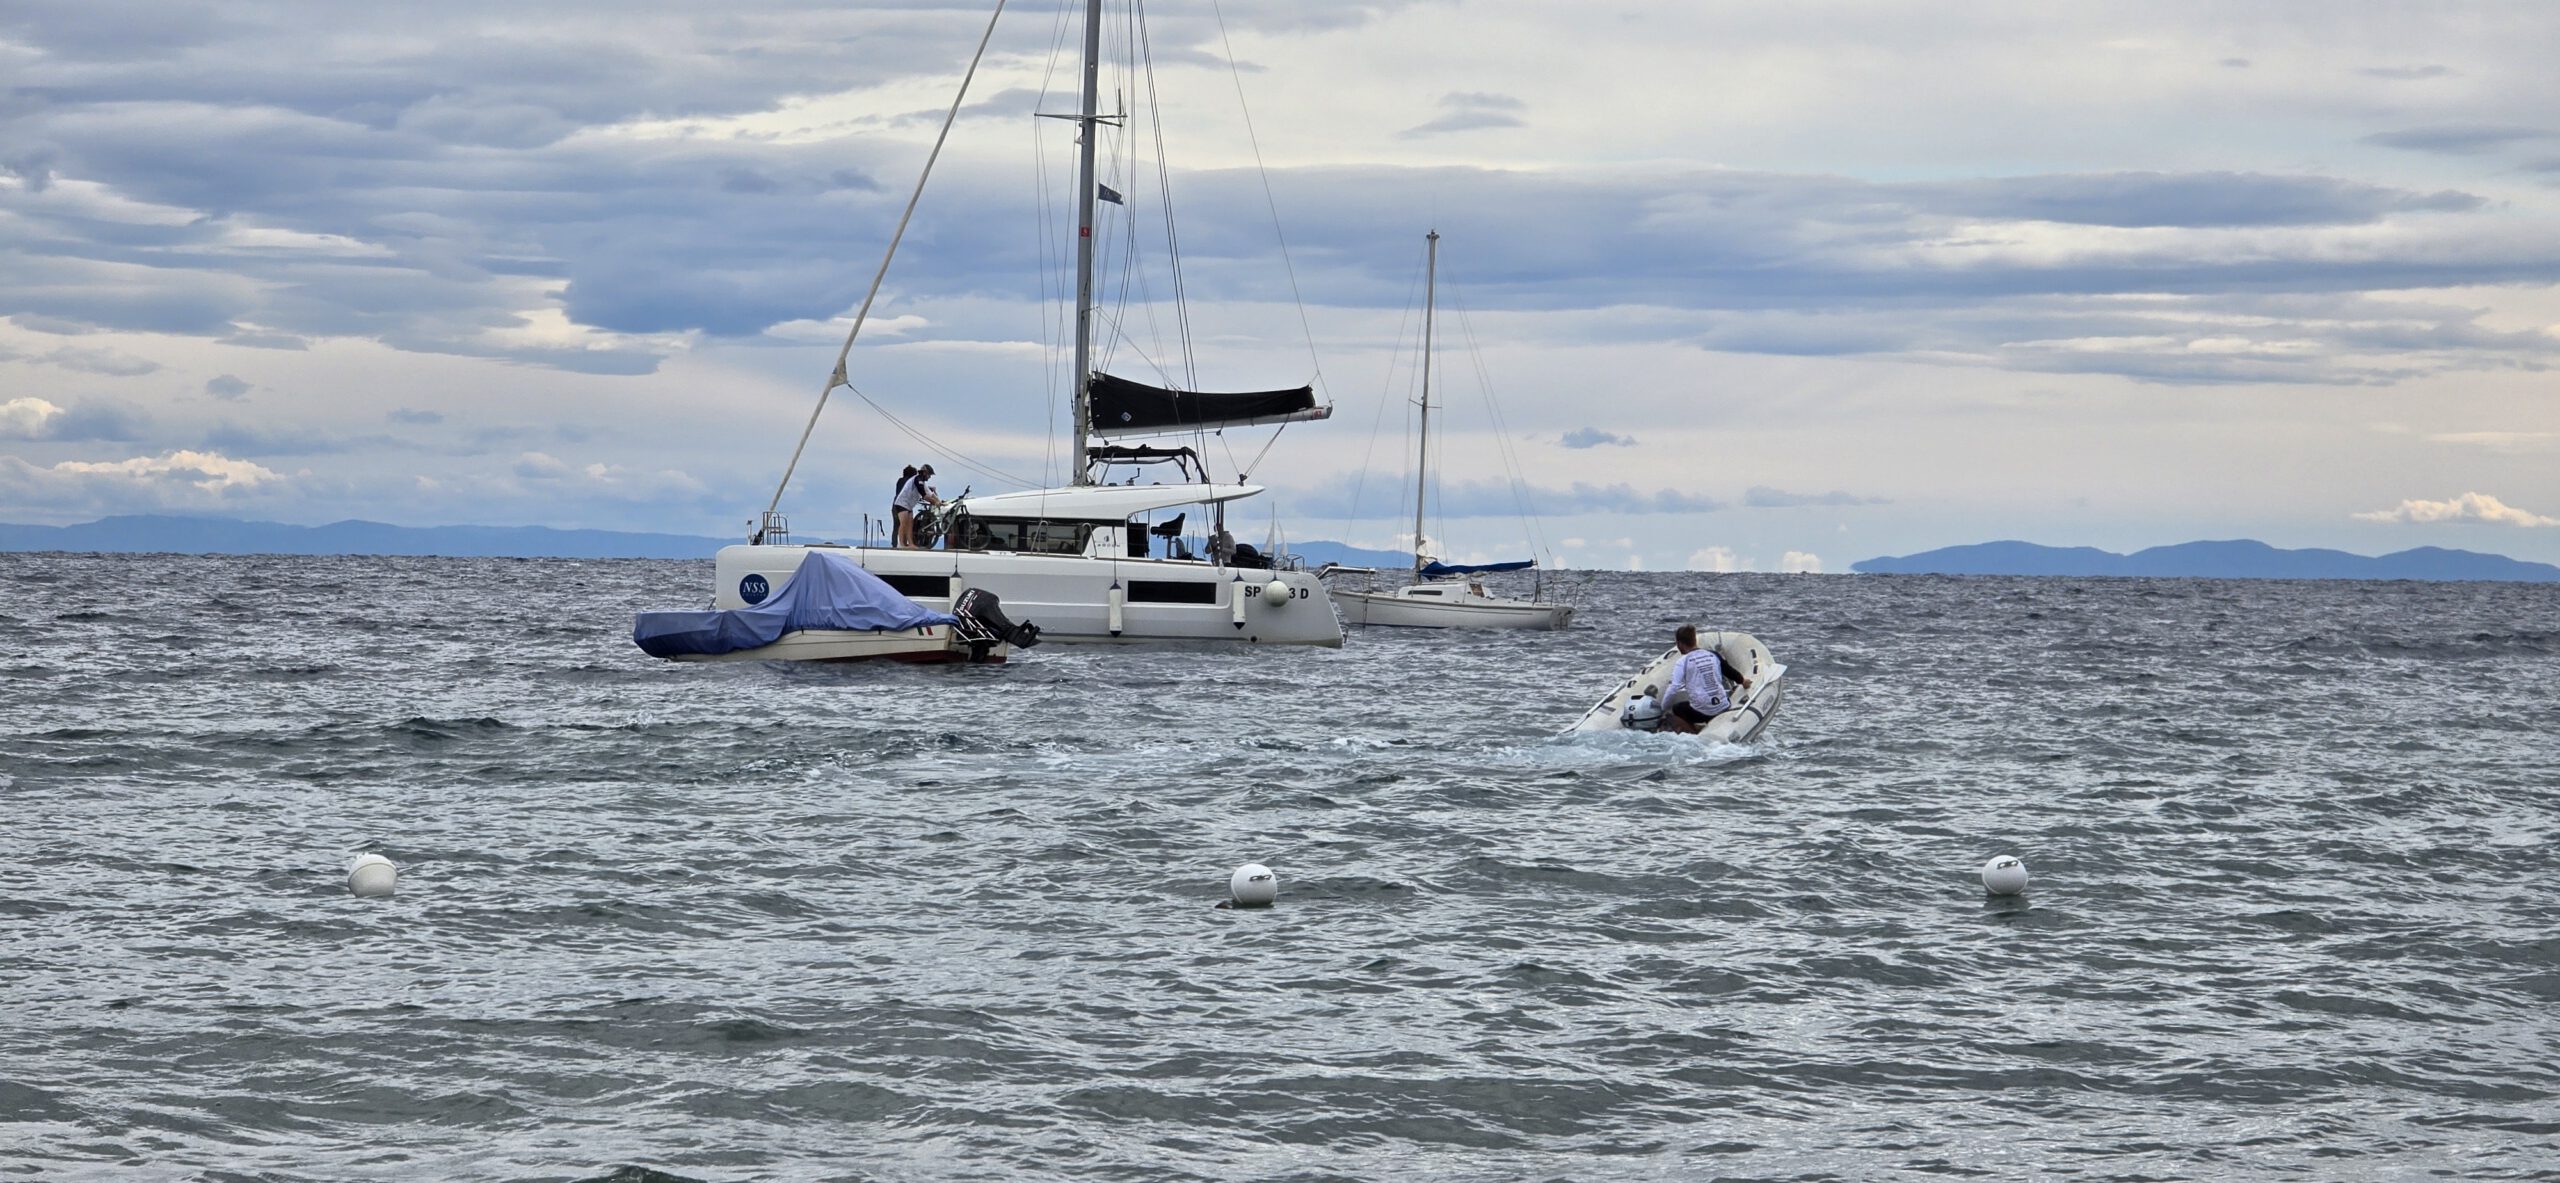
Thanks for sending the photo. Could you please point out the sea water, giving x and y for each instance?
(2295, 851)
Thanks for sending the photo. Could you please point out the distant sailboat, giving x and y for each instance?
(1443, 595)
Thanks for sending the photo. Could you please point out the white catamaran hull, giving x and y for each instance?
(1448, 606)
(1752, 708)
(1076, 598)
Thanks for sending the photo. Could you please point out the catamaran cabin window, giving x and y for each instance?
(1028, 537)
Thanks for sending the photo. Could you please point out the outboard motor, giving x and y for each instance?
(1642, 713)
(982, 609)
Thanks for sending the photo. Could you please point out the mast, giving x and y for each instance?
(1086, 124)
(1422, 446)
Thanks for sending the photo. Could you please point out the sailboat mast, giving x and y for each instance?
(1086, 125)
(1422, 448)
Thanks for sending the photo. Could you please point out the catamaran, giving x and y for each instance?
(1442, 595)
(1088, 561)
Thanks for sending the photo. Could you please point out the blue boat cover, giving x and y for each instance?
(828, 591)
(1444, 570)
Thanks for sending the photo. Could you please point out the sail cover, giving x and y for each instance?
(829, 591)
(1123, 407)
(1438, 570)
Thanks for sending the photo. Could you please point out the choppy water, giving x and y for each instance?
(2293, 912)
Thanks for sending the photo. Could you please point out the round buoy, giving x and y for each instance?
(372, 875)
(1276, 591)
(2004, 875)
(1253, 886)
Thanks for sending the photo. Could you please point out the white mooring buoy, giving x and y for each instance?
(2004, 875)
(1253, 886)
(372, 875)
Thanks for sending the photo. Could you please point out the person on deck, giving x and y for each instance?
(912, 492)
(897, 512)
(1701, 673)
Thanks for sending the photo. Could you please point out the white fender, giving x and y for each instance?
(1119, 597)
(1235, 597)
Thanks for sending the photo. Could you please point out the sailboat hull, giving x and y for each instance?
(1404, 609)
(1072, 598)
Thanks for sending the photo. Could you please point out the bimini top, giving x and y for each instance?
(1100, 503)
(829, 591)
(1122, 407)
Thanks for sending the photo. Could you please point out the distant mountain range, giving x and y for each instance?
(2236, 559)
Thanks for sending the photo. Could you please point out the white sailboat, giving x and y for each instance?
(1090, 561)
(1442, 595)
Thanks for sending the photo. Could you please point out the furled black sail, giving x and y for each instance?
(1123, 407)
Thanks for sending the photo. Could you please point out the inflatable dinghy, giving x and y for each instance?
(1637, 704)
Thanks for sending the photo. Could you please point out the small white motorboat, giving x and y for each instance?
(830, 609)
(1638, 703)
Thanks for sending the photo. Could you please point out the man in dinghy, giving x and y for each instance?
(1697, 691)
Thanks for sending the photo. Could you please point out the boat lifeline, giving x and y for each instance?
(1092, 560)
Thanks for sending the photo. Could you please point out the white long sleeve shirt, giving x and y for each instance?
(1700, 673)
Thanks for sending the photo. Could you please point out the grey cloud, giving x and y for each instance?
(1500, 499)
(536, 466)
(99, 420)
(248, 340)
(226, 386)
(1764, 497)
(2179, 199)
(38, 323)
(415, 417)
(33, 168)
(441, 165)
(2408, 73)
(2236, 63)
(111, 362)
(1592, 437)
(493, 123)
(248, 441)
(1495, 499)
(1462, 121)
(1468, 111)
(2466, 139)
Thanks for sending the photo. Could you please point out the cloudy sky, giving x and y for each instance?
(1750, 285)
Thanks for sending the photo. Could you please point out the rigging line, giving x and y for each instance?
(936, 448)
(1503, 441)
(1395, 352)
(1268, 200)
(1054, 297)
(1501, 427)
(1164, 188)
(837, 377)
(1132, 274)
